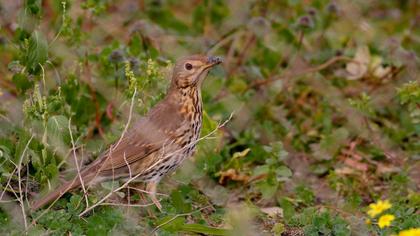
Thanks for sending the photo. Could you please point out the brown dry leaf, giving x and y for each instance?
(359, 66)
(241, 154)
(352, 158)
(379, 71)
(364, 63)
(272, 211)
(386, 169)
(344, 171)
(232, 174)
(356, 164)
(352, 154)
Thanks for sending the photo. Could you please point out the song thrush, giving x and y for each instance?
(158, 142)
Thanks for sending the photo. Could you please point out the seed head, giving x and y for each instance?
(305, 22)
(332, 8)
(116, 56)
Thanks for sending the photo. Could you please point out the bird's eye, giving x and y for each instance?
(188, 66)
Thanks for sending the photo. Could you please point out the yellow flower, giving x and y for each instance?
(410, 232)
(368, 221)
(385, 220)
(378, 208)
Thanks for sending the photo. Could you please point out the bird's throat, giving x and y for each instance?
(191, 104)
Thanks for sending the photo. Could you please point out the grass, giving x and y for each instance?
(312, 119)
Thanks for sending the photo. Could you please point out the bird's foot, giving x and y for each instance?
(151, 189)
(156, 202)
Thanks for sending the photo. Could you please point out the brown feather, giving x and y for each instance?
(157, 143)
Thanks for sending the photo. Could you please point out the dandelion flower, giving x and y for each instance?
(377, 208)
(410, 232)
(385, 220)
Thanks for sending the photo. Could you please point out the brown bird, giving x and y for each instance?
(158, 142)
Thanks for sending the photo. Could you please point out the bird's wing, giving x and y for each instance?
(149, 135)
(134, 146)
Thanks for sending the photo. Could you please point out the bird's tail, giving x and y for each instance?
(87, 175)
(56, 194)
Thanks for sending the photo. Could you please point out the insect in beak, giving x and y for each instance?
(212, 61)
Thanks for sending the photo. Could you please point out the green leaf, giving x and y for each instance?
(4, 218)
(103, 221)
(330, 144)
(51, 170)
(288, 208)
(178, 202)
(267, 188)
(305, 194)
(58, 132)
(22, 82)
(166, 18)
(36, 52)
(283, 171)
(171, 224)
(237, 85)
(34, 6)
(199, 15)
(20, 147)
(76, 204)
(208, 124)
(278, 229)
(136, 45)
(203, 229)
(409, 92)
(260, 170)
(58, 125)
(4, 153)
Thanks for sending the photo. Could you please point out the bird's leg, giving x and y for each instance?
(151, 189)
(128, 195)
(149, 212)
(140, 189)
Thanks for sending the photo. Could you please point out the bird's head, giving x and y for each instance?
(190, 71)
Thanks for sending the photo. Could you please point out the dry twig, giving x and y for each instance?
(323, 66)
(77, 164)
(101, 201)
(176, 216)
(20, 198)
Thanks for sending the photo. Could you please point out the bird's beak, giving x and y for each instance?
(212, 61)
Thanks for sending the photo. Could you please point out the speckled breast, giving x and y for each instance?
(174, 153)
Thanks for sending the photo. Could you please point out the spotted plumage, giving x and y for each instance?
(157, 143)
